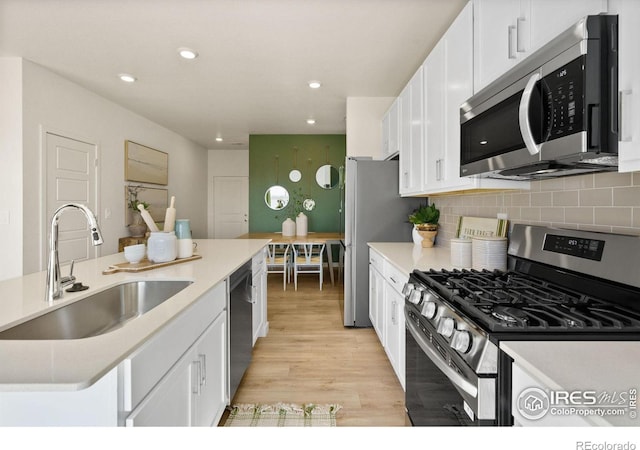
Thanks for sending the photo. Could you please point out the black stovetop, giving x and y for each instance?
(516, 302)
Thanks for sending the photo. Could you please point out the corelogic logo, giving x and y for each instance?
(533, 403)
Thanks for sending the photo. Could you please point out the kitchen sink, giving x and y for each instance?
(99, 313)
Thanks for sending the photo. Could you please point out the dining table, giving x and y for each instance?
(312, 237)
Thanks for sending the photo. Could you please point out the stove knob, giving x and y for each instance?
(429, 309)
(406, 290)
(415, 296)
(446, 326)
(461, 341)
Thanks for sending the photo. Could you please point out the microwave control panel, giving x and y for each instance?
(563, 91)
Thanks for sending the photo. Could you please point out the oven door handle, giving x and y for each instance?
(454, 376)
(523, 116)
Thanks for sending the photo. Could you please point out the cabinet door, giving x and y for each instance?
(500, 29)
(395, 332)
(411, 135)
(551, 17)
(170, 402)
(209, 378)
(628, 83)
(376, 303)
(434, 110)
(458, 87)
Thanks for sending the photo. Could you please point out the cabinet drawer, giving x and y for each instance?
(395, 277)
(147, 365)
(376, 260)
(258, 262)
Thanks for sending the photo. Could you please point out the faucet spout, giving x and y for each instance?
(55, 283)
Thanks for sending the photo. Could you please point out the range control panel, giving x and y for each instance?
(579, 247)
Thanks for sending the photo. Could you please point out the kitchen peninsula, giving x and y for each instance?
(58, 373)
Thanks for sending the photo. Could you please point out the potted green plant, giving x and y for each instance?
(137, 228)
(425, 224)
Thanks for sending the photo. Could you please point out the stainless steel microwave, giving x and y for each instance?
(554, 114)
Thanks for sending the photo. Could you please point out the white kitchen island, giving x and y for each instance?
(53, 374)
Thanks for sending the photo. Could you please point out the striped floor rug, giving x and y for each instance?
(282, 415)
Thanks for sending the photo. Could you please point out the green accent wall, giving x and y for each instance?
(313, 152)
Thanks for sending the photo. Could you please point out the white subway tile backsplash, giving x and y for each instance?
(608, 202)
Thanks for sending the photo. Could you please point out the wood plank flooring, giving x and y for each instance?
(310, 357)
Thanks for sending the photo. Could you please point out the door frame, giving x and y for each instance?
(43, 219)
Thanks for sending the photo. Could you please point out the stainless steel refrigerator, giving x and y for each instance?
(374, 212)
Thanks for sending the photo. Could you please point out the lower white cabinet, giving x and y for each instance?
(386, 310)
(193, 392)
(259, 285)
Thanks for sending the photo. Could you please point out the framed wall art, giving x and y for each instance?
(145, 164)
(157, 200)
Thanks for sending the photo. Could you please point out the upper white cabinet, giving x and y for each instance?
(448, 82)
(412, 135)
(628, 83)
(507, 31)
(391, 130)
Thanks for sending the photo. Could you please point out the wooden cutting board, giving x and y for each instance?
(145, 264)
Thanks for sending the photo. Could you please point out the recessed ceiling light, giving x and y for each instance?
(187, 53)
(127, 78)
(219, 139)
(311, 121)
(314, 84)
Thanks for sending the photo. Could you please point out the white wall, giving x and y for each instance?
(364, 125)
(53, 103)
(11, 168)
(223, 163)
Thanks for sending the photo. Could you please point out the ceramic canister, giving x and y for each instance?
(162, 246)
(461, 253)
(183, 229)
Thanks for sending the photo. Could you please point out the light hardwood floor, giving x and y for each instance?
(310, 357)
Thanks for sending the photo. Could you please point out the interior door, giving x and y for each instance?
(230, 206)
(71, 177)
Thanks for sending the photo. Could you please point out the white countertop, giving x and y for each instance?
(603, 367)
(77, 364)
(407, 256)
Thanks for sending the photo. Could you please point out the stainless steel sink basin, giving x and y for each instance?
(99, 313)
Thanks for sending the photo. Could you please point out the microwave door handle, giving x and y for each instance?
(525, 125)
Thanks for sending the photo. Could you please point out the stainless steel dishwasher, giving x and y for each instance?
(240, 325)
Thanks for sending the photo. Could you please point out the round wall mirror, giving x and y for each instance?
(327, 176)
(295, 175)
(276, 197)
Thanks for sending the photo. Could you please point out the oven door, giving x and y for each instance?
(439, 392)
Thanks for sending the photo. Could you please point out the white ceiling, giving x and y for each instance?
(256, 57)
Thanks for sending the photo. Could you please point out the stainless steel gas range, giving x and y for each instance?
(560, 285)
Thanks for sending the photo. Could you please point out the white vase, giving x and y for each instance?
(301, 225)
(288, 227)
(417, 239)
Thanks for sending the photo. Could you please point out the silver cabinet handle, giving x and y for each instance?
(625, 115)
(202, 358)
(195, 378)
(393, 312)
(519, 44)
(523, 115)
(510, 53)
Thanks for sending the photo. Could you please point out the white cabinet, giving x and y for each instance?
(259, 285)
(448, 82)
(412, 135)
(391, 130)
(386, 310)
(376, 294)
(508, 31)
(628, 83)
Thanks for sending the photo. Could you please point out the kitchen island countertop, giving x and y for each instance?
(55, 365)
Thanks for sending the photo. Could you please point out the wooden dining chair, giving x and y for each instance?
(307, 258)
(279, 261)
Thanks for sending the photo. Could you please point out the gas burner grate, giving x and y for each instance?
(510, 301)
